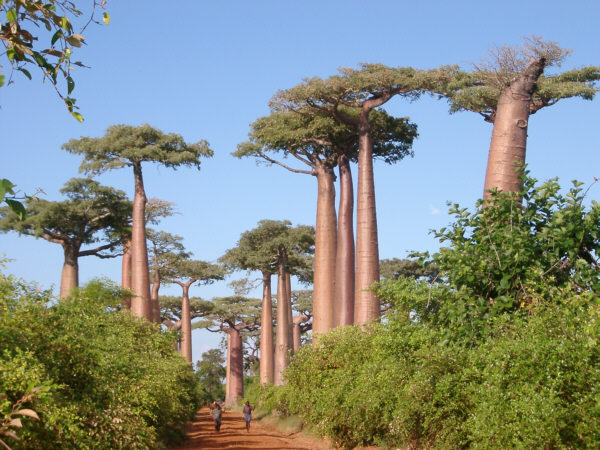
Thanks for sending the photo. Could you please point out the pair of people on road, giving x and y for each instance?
(217, 413)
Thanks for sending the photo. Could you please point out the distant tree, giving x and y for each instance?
(302, 304)
(91, 214)
(392, 269)
(232, 315)
(210, 373)
(128, 146)
(186, 272)
(363, 89)
(170, 310)
(506, 90)
(266, 248)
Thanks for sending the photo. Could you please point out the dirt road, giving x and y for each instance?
(233, 435)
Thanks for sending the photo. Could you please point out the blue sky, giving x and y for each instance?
(207, 69)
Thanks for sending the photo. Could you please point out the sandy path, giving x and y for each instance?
(233, 435)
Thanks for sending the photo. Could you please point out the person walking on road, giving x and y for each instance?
(248, 415)
(216, 412)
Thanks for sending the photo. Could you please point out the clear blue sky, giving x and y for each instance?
(206, 69)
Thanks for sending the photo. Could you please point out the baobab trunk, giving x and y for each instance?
(154, 305)
(266, 332)
(140, 278)
(283, 344)
(288, 299)
(70, 273)
(343, 306)
(186, 325)
(509, 135)
(235, 364)
(325, 252)
(228, 368)
(126, 272)
(367, 246)
(297, 332)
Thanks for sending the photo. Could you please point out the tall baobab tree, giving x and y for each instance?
(265, 248)
(321, 142)
(91, 214)
(186, 272)
(361, 90)
(506, 90)
(233, 315)
(129, 146)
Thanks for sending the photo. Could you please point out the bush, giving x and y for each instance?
(108, 380)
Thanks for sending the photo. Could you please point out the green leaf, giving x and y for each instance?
(17, 207)
(70, 85)
(25, 72)
(106, 18)
(11, 15)
(6, 187)
(2, 78)
(77, 116)
(56, 37)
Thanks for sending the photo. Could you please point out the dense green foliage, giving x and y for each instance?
(504, 352)
(96, 377)
(210, 373)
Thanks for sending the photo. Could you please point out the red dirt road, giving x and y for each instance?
(201, 434)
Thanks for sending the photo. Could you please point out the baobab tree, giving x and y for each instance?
(186, 272)
(321, 142)
(506, 90)
(129, 146)
(302, 304)
(171, 310)
(91, 214)
(259, 249)
(362, 90)
(233, 315)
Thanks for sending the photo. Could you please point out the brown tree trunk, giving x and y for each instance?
(228, 367)
(235, 363)
(325, 252)
(186, 324)
(70, 272)
(509, 135)
(140, 278)
(154, 305)
(367, 247)
(266, 332)
(288, 299)
(126, 272)
(344, 267)
(297, 331)
(283, 344)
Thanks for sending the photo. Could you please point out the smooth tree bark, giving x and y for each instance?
(123, 146)
(344, 275)
(298, 329)
(283, 344)
(235, 367)
(266, 332)
(126, 271)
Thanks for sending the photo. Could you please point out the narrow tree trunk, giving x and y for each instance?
(288, 299)
(70, 272)
(186, 324)
(126, 272)
(325, 252)
(140, 278)
(154, 305)
(266, 332)
(344, 267)
(282, 344)
(297, 331)
(235, 361)
(509, 135)
(367, 247)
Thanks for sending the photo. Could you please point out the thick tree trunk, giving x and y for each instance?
(186, 324)
(288, 299)
(140, 278)
(228, 367)
(283, 344)
(344, 267)
(509, 135)
(70, 272)
(154, 305)
(235, 363)
(367, 246)
(266, 332)
(126, 272)
(325, 252)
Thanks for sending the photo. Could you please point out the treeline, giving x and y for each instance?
(499, 351)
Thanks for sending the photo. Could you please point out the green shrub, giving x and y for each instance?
(110, 380)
